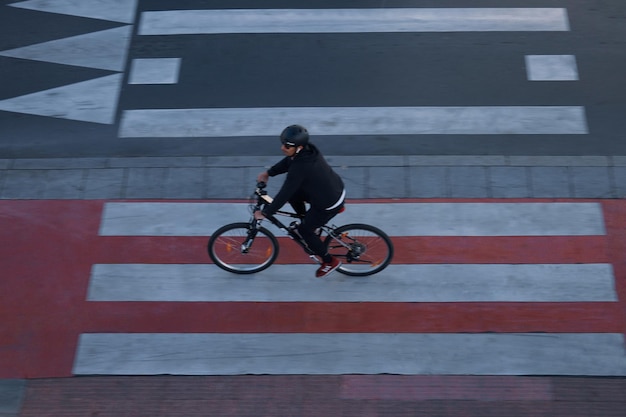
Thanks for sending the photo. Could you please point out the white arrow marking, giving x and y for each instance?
(105, 49)
(89, 101)
(114, 10)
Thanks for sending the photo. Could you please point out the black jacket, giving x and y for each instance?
(309, 176)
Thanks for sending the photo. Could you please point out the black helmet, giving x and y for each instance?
(294, 135)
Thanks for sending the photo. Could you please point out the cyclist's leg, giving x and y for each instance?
(312, 220)
(297, 202)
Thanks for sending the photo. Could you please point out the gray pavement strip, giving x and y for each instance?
(366, 176)
(336, 160)
(11, 396)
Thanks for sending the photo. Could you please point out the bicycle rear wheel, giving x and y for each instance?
(226, 249)
(362, 249)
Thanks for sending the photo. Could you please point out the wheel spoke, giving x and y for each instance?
(225, 249)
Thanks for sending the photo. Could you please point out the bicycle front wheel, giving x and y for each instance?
(231, 249)
(362, 249)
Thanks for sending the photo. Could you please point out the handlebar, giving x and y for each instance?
(261, 193)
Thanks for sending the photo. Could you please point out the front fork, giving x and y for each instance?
(253, 229)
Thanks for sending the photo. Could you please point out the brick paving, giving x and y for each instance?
(383, 176)
(345, 395)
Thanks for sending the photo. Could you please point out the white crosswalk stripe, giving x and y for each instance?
(184, 22)
(402, 283)
(400, 219)
(530, 120)
(355, 353)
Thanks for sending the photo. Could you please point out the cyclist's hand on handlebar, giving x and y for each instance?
(263, 177)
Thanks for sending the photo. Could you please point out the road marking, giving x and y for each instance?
(183, 22)
(154, 71)
(68, 246)
(426, 219)
(90, 101)
(350, 353)
(403, 283)
(551, 68)
(114, 10)
(105, 49)
(226, 122)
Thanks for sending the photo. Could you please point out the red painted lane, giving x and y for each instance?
(46, 256)
(615, 221)
(408, 250)
(327, 317)
(48, 247)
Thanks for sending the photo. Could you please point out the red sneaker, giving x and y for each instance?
(327, 268)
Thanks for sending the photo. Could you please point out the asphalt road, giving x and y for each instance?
(293, 70)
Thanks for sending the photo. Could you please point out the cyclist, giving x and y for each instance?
(309, 180)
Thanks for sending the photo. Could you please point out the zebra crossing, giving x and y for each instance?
(98, 100)
(476, 287)
(367, 120)
(426, 313)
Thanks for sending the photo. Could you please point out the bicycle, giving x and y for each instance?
(248, 247)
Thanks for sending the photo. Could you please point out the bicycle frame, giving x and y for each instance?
(264, 199)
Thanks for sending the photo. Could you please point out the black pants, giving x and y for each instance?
(312, 220)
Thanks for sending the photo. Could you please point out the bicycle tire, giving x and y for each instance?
(224, 248)
(371, 250)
